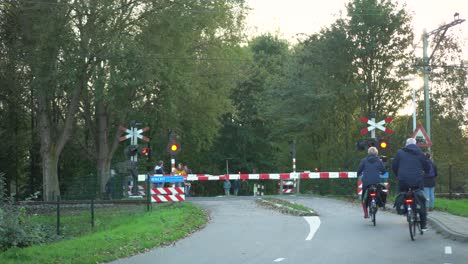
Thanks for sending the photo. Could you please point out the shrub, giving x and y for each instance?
(16, 230)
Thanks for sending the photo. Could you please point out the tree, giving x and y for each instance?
(381, 35)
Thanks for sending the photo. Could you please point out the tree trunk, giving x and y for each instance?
(51, 187)
(102, 144)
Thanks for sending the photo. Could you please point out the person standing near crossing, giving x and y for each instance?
(227, 187)
(159, 169)
(429, 183)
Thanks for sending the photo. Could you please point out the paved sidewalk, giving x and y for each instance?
(451, 226)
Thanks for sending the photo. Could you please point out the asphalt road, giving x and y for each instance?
(241, 232)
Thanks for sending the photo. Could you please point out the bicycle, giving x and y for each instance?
(373, 208)
(411, 213)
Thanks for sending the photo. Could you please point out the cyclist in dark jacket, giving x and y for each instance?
(371, 167)
(410, 165)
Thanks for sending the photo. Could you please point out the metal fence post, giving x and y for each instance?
(450, 181)
(148, 193)
(92, 213)
(58, 215)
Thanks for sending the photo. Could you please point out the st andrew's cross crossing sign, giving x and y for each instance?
(134, 133)
(379, 125)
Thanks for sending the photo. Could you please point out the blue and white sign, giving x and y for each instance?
(160, 178)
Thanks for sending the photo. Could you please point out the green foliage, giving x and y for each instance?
(181, 66)
(16, 229)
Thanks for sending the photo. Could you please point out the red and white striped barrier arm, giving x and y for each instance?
(167, 198)
(141, 190)
(174, 190)
(272, 176)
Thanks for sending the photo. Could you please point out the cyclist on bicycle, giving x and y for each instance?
(409, 166)
(371, 167)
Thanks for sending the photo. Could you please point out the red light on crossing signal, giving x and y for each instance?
(145, 151)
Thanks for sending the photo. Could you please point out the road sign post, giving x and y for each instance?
(134, 134)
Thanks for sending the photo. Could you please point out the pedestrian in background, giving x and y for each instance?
(188, 184)
(429, 183)
(181, 172)
(227, 187)
(235, 187)
(159, 169)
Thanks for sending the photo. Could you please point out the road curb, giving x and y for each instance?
(441, 228)
(446, 231)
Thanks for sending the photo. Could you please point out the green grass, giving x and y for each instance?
(289, 204)
(122, 236)
(456, 207)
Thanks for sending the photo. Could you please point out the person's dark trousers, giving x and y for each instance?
(421, 200)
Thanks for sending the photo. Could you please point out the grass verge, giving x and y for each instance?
(286, 206)
(129, 235)
(456, 207)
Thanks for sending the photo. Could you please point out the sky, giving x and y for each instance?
(288, 18)
(292, 18)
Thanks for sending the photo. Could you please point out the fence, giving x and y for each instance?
(451, 181)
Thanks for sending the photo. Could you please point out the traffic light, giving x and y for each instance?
(371, 142)
(144, 152)
(384, 144)
(131, 150)
(173, 147)
(361, 144)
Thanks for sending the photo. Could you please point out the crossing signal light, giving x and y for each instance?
(145, 152)
(384, 144)
(361, 145)
(131, 150)
(371, 142)
(173, 147)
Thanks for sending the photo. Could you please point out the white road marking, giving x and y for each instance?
(278, 260)
(448, 250)
(314, 223)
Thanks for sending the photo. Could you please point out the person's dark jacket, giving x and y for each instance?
(429, 181)
(371, 167)
(159, 169)
(410, 165)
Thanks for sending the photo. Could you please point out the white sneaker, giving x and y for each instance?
(424, 229)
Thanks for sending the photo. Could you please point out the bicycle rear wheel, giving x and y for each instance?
(412, 224)
(373, 214)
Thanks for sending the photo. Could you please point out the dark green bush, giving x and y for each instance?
(16, 229)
